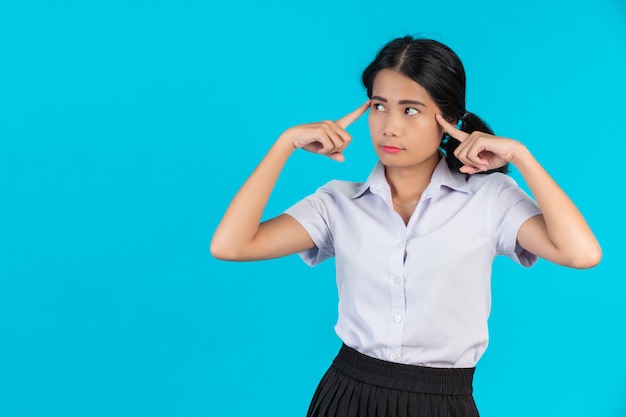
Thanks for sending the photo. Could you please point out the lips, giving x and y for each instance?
(391, 149)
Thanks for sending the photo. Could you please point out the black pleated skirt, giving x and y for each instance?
(357, 385)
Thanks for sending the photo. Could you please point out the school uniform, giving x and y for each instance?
(413, 299)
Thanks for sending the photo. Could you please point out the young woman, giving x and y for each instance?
(415, 243)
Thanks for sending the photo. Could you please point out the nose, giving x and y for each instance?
(392, 126)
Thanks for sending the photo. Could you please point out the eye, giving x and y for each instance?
(379, 107)
(411, 111)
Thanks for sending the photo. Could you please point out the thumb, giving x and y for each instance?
(337, 156)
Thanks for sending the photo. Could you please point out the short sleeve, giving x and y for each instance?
(314, 213)
(513, 207)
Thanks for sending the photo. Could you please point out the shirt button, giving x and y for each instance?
(392, 356)
(397, 280)
(398, 318)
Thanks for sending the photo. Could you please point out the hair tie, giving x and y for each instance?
(459, 124)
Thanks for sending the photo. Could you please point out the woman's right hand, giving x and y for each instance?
(326, 138)
(241, 235)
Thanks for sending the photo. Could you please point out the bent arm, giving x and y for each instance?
(560, 234)
(241, 236)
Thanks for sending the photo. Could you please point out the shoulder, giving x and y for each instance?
(330, 198)
(341, 188)
(490, 182)
(501, 190)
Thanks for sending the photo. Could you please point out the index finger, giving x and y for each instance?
(351, 117)
(451, 129)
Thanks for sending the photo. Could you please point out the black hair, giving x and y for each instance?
(439, 70)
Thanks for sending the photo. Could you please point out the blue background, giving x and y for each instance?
(126, 127)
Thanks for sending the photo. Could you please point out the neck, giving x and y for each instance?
(408, 183)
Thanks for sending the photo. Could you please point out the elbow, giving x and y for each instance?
(221, 251)
(226, 250)
(587, 259)
(594, 258)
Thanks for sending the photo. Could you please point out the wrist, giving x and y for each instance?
(285, 144)
(520, 154)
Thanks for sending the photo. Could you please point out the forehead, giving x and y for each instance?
(394, 86)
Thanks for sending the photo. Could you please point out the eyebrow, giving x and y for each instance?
(417, 103)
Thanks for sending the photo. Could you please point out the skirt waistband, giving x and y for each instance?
(421, 379)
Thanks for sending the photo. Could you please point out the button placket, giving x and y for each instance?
(398, 297)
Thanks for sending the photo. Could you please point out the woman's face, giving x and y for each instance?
(402, 121)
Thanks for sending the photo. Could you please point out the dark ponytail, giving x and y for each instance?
(439, 70)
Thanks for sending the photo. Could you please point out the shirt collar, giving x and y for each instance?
(442, 176)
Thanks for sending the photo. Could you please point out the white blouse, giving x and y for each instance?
(417, 294)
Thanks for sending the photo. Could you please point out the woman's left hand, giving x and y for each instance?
(480, 151)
